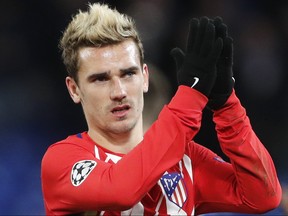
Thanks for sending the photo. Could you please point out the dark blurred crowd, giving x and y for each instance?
(36, 110)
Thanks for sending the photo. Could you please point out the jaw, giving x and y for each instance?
(120, 137)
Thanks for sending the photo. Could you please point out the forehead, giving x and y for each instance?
(126, 51)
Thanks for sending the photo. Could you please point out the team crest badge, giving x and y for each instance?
(174, 187)
(81, 170)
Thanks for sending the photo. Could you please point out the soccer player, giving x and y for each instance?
(115, 169)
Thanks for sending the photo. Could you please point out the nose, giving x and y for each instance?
(118, 91)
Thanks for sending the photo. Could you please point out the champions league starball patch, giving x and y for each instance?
(81, 170)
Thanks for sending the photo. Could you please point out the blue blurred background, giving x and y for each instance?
(36, 110)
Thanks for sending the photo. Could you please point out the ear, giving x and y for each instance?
(73, 89)
(146, 78)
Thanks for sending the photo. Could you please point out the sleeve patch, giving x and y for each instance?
(81, 170)
(217, 158)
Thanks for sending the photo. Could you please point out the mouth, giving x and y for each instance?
(120, 111)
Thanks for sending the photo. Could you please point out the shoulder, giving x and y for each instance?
(74, 141)
(61, 156)
(72, 147)
(200, 153)
(196, 148)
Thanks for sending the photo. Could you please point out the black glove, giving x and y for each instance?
(197, 68)
(224, 82)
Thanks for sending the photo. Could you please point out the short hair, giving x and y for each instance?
(97, 27)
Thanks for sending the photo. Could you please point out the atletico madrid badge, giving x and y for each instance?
(174, 187)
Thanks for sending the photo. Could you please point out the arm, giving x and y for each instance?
(253, 165)
(249, 184)
(120, 186)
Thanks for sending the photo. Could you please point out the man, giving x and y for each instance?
(113, 168)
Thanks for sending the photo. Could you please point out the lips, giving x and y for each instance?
(120, 111)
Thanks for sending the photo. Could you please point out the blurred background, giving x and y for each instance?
(36, 110)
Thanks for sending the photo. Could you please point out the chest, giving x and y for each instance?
(173, 194)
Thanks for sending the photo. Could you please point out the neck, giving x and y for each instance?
(118, 142)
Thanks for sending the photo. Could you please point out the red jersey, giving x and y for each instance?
(167, 173)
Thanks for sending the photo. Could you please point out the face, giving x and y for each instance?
(111, 83)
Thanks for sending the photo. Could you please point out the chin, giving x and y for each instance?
(121, 128)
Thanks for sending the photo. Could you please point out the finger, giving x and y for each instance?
(200, 34)
(193, 29)
(221, 28)
(208, 40)
(221, 31)
(217, 49)
(228, 50)
(217, 21)
(178, 56)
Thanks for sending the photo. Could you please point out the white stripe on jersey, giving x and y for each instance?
(96, 152)
(188, 166)
(137, 209)
(159, 204)
(114, 158)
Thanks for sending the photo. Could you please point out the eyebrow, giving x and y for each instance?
(107, 73)
(98, 75)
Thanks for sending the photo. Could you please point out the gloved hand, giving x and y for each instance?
(224, 82)
(197, 67)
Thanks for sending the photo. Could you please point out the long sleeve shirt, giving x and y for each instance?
(167, 173)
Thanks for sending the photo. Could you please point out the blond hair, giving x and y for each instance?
(97, 27)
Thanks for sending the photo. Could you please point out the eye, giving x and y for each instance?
(99, 77)
(129, 73)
